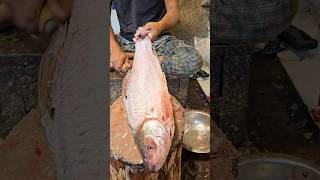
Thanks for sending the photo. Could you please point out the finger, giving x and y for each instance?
(136, 38)
(130, 55)
(144, 32)
(161, 59)
(138, 32)
(130, 62)
(112, 67)
(140, 28)
(141, 32)
(126, 65)
(117, 66)
(150, 35)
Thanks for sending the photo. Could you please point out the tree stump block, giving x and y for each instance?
(125, 158)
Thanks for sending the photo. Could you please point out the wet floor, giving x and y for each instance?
(279, 120)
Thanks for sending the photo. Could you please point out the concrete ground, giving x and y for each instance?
(278, 118)
(303, 67)
(25, 152)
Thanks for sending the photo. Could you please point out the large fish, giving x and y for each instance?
(148, 105)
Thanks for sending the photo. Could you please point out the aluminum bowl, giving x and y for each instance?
(196, 136)
(266, 166)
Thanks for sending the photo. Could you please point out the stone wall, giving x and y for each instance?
(193, 26)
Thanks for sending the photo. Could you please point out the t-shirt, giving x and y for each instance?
(135, 13)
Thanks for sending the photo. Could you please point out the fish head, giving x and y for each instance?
(154, 144)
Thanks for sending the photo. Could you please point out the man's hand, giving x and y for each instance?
(154, 29)
(119, 60)
(151, 29)
(170, 19)
(161, 59)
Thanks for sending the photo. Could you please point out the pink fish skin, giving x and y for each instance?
(148, 106)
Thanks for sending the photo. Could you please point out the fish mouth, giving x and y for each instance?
(153, 168)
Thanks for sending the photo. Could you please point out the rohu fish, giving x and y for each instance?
(148, 105)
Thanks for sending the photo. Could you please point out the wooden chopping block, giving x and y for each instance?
(126, 160)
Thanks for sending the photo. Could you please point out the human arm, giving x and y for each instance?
(118, 58)
(169, 20)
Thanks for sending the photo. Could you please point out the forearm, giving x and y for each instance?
(113, 41)
(114, 45)
(171, 18)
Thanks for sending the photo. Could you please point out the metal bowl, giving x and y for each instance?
(266, 166)
(196, 136)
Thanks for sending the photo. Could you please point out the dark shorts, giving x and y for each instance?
(180, 59)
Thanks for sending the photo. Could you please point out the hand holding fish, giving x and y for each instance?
(152, 29)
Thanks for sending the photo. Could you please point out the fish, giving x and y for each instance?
(148, 106)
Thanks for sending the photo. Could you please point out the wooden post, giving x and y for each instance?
(73, 93)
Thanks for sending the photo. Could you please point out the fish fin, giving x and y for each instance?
(168, 107)
(166, 102)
